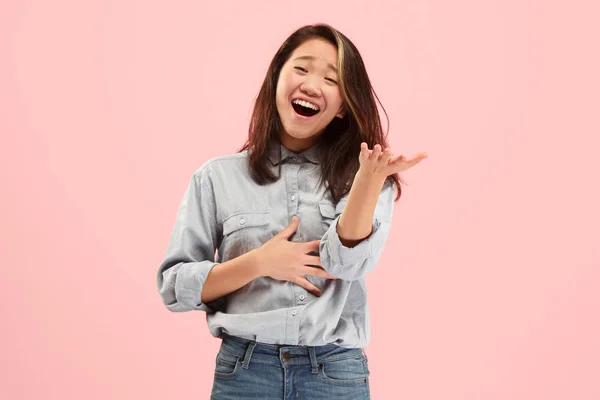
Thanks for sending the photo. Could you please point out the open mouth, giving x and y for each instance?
(304, 108)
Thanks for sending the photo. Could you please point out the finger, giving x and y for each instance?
(364, 150)
(397, 159)
(412, 161)
(376, 153)
(312, 246)
(319, 272)
(290, 229)
(305, 283)
(313, 260)
(415, 159)
(386, 155)
(402, 163)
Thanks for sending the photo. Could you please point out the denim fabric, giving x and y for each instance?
(249, 370)
(224, 213)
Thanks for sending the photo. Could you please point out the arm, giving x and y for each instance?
(356, 222)
(229, 276)
(191, 251)
(188, 277)
(353, 243)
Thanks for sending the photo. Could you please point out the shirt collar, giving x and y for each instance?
(311, 154)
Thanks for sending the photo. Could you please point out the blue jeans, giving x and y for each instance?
(250, 370)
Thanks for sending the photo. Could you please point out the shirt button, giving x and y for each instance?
(301, 297)
(294, 312)
(242, 221)
(293, 197)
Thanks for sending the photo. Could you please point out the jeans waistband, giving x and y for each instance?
(287, 354)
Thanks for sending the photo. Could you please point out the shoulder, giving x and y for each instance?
(231, 164)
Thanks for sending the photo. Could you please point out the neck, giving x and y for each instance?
(298, 145)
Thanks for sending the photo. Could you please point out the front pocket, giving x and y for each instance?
(227, 367)
(327, 211)
(244, 231)
(245, 219)
(348, 371)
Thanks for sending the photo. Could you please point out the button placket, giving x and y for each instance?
(292, 326)
(292, 190)
(291, 176)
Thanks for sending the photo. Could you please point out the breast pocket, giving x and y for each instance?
(244, 231)
(327, 210)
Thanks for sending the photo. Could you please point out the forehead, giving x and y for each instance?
(316, 50)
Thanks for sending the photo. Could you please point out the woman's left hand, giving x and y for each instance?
(383, 162)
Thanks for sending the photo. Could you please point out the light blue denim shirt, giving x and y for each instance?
(224, 213)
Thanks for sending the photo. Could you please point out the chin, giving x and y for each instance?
(301, 134)
(299, 140)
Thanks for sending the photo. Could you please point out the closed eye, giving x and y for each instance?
(331, 80)
(301, 69)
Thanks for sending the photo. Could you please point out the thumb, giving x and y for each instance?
(290, 229)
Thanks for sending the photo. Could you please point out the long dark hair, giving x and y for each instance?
(342, 137)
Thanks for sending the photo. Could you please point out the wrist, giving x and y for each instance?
(370, 178)
(253, 262)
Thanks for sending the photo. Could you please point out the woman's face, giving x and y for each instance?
(308, 96)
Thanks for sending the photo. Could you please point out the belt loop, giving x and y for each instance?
(313, 360)
(248, 354)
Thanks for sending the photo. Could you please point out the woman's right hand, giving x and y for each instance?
(284, 260)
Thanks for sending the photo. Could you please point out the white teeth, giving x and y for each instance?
(306, 104)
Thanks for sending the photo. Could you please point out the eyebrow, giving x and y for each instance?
(311, 58)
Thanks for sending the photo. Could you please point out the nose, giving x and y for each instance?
(310, 87)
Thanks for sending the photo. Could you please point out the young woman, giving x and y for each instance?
(297, 218)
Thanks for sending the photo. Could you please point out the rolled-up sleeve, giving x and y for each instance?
(191, 251)
(353, 263)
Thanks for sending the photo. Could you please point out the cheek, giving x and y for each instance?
(334, 100)
(284, 79)
(281, 94)
(283, 89)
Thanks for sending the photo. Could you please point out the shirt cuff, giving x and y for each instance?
(189, 283)
(342, 261)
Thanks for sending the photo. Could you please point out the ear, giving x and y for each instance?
(342, 113)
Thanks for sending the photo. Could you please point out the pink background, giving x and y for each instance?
(489, 287)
